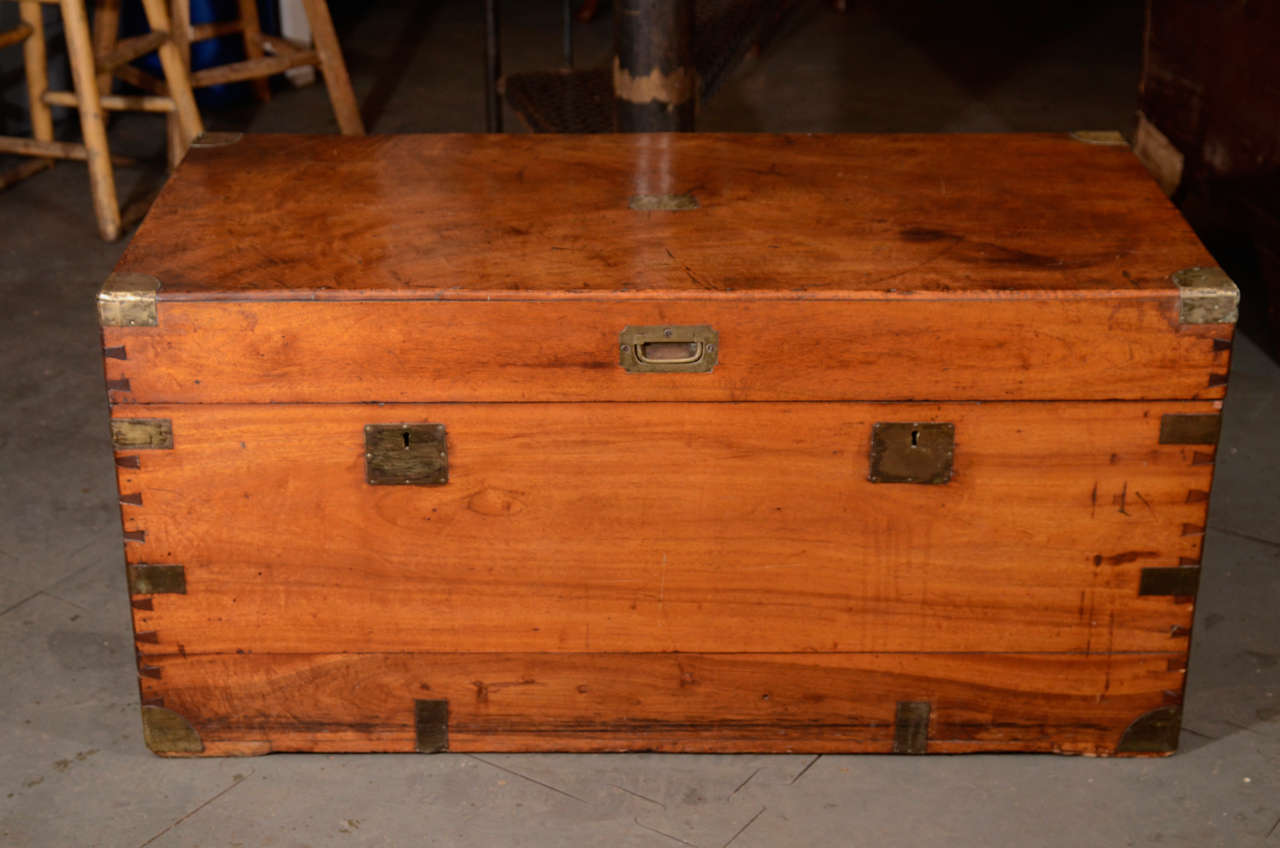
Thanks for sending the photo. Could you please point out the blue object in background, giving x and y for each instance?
(206, 54)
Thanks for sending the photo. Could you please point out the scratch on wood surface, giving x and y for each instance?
(1145, 502)
(1120, 499)
(1093, 500)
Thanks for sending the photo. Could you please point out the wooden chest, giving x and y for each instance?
(697, 443)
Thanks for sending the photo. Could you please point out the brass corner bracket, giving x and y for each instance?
(1155, 732)
(1206, 296)
(166, 732)
(1106, 138)
(128, 300)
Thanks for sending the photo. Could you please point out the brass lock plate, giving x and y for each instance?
(653, 350)
(911, 452)
(406, 455)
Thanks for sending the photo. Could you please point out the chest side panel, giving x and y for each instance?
(666, 527)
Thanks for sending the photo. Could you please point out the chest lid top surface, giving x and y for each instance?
(794, 216)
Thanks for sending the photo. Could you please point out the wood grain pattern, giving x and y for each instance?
(432, 215)
(903, 348)
(665, 527)
(255, 704)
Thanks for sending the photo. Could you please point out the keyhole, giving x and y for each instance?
(915, 439)
(405, 435)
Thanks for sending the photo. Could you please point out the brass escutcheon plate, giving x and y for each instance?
(912, 452)
(406, 455)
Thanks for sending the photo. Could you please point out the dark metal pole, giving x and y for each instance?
(655, 84)
(567, 14)
(492, 67)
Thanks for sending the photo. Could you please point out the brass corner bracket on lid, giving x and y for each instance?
(128, 300)
(1104, 138)
(216, 139)
(1207, 296)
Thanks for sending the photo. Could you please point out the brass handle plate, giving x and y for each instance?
(668, 349)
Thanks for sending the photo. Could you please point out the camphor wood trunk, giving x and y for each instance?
(697, 443)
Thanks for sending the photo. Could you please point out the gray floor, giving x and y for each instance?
(73, 770)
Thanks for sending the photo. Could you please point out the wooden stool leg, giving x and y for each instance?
(36, 63)
(334, 69)
(75, 23)
(252, 29)
(180, 32)
(176, 143)
(176, 75)
(106, 31)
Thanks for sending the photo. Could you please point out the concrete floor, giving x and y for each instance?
(74, 771)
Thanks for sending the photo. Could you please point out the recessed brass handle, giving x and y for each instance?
(669, 353)
(691, 349)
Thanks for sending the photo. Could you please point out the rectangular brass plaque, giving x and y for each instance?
(668, 349)
(431, 726)
(141, 433)
(911, 727)
(1180, 581)
(406, 455)
(1190, 429)
(146, 579)
(912, 452)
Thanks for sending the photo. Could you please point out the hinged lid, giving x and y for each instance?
(454, 267)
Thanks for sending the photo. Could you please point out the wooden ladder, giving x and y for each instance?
(92, 102)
